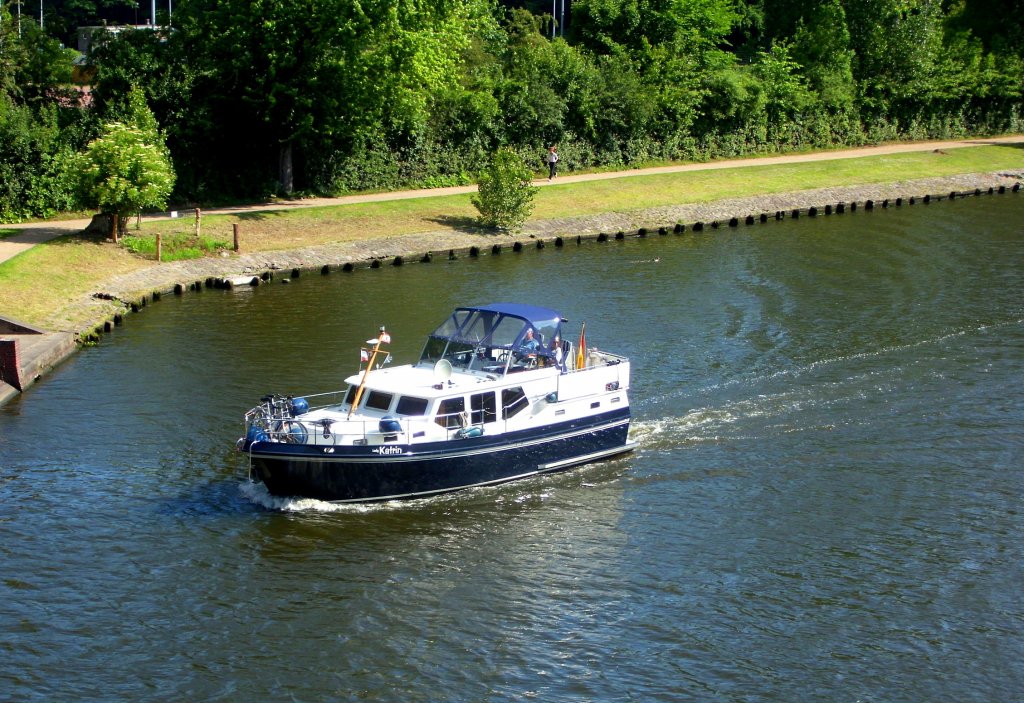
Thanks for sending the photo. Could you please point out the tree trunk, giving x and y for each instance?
(286, 175)
(115, 225)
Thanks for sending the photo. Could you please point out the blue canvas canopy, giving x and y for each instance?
(497, 326)
(500, 325)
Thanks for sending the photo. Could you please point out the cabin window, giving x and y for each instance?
(513, 400)
(505, 333)
(378, 400)
(350, 397)
(450, 412)
(434, 349)
(483, 407)
(478, 329)
(407, 405)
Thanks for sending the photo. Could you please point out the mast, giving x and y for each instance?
(382, 338)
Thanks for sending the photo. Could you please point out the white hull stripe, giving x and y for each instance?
(402, 458)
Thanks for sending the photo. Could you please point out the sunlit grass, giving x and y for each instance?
(289, 229)
(641, 192)
(175, 246)
(286, 229)
(36, 285)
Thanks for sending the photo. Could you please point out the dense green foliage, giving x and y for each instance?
(505, 192)
(38, 133)
(332, 96)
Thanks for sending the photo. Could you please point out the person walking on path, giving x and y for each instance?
(552, 160)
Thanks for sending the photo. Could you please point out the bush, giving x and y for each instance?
(505, 192)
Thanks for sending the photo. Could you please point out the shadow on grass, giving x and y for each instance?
(462, 223)
(1007, 145)
(258, 215)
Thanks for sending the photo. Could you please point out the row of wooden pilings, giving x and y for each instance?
(558, 241)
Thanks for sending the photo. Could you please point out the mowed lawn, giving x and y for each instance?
(38, 284)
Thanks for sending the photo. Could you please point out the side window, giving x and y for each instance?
(379, 401)
(407, 405)
(513, 400)
(351, 395)
(483, 408)
(449, 412)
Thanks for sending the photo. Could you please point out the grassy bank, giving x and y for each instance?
(36, 285)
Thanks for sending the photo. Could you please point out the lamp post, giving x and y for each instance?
(557, 18)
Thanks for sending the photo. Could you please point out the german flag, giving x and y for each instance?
(581, 350)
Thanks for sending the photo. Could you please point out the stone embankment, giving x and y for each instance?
(133, 291)
(107, 308)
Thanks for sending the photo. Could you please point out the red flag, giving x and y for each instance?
(385, 338)
(364, 355)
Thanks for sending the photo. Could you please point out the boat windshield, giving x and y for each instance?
(494, 337)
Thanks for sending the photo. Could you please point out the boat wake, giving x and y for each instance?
(818, 396)
(711, 425)
(258, 494)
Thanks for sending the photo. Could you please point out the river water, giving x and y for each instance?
(824, 506)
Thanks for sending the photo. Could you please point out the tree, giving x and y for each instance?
(285, 81)
(127, 169)
(896, 45)
(821, 46)
(505, 192)
(12, 53)
(695, 27)
(785, 92)
(44, 70)
(534, 108)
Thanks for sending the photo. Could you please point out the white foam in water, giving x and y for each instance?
(647, 431)
(258, 494)
(713, 424)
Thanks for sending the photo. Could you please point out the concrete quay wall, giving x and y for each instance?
(131, 293)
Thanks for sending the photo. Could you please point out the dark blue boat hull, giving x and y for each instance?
(363, 474)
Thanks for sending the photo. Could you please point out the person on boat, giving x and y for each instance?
(529, 346)
(556, 352)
